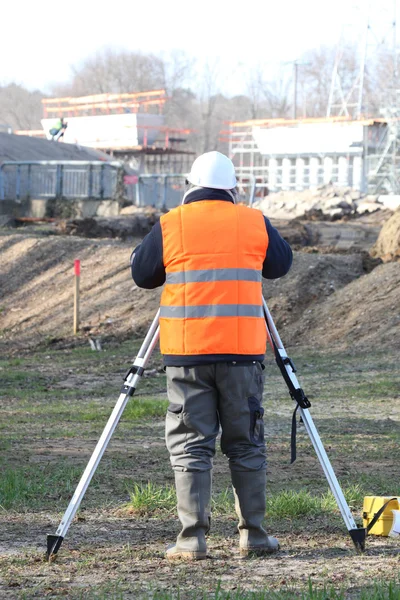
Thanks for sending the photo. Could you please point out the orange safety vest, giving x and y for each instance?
(213, 254)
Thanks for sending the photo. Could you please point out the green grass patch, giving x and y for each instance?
(295, 504)
(145, 408)
(149, 498)
(70, 411)
(373, 389)
(33, 487)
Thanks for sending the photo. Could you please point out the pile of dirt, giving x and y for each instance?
(354, 236)
(329, 203)
(137, 221)
(363, 314)
(312, 279)
(387, 246)
(37, 284)
(135, 224)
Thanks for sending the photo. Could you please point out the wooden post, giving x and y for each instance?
(77, 271)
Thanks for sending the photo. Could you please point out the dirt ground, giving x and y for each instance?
(37, 283)
(52, 418)
(337, 310)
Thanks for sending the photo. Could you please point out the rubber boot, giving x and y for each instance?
(249, 489)
(193, 491)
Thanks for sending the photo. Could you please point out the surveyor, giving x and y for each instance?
(211, 253)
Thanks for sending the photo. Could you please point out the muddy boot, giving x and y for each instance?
(193, 490)
(249, 488)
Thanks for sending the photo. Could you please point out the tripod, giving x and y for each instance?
(132, 378)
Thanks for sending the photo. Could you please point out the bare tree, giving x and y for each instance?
(256, 91)
(178, 68)
(315, 76)
(210, 79)
(278, 104)
(115, 71)
(20, 108)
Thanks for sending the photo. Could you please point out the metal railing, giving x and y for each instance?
(163, 191)
(58, 179)
(97, 180)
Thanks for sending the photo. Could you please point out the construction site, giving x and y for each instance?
(89, 186)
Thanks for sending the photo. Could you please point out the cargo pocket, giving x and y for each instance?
(175, 409)
(256, 420)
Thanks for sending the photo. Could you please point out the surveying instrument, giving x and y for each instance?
(133, 377)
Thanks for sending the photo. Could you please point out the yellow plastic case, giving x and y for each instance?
(371, 506)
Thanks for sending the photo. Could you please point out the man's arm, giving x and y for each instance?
(279, 256)
(147, 266)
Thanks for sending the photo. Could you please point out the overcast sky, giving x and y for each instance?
(41, 40)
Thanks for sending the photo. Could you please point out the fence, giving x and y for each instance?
(166, 191)
(96, 180)
(161, 191)
(58, 179)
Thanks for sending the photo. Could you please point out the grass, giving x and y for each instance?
(291, 505)
(148, 498)
(32, 487)
(145, 408)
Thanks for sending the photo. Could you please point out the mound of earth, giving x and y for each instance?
(328, 202)
(364, 313)
(37, 283)
(134, 222)
(311, 280)
(125, 227)
(387, 246)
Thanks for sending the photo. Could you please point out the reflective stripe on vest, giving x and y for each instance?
(213, 254)
(213, 275)
(211, 310)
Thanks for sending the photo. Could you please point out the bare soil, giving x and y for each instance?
(387, 245)
(37, 283)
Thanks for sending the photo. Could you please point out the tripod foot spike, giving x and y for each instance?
(358, 536)
(53, 545)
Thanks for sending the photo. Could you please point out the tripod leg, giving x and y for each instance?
(286, 366)
(128, 389)
(328, 470)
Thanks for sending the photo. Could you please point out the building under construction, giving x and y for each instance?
(282, 154)
(128, 126)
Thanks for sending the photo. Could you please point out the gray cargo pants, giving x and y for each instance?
(205, 397)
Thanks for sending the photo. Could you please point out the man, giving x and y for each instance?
(58, 129)
(211, 253)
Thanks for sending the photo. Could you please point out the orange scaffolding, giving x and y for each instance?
(104, 104)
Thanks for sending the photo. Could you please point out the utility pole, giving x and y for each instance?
(295, 67)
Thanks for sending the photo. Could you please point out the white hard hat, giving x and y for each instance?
(213, 170)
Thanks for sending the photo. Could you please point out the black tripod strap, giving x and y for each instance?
(378, 514)
(297, 395)
(293, 450)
